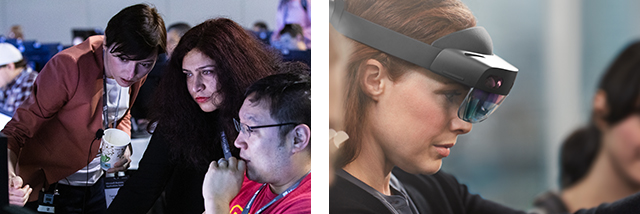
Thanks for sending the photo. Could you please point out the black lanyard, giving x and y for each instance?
(281, 195)
(105, 109)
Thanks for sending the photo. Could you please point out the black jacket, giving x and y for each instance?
(157, 172)
(442, 194)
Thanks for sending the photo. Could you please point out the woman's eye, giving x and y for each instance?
(206, 72)
(146, 65)
(451, 96)
(188, 74)
(123, 59)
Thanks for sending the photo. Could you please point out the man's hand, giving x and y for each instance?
(221, 184)
(123, 164)
(18, 195)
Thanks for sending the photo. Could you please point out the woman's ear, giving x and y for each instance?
(600, 109)
(373, 81)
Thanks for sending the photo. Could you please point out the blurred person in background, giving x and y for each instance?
(262, 32)
(291, 45)
(259, 26)
(16, 32)
(174, 33)
(140, 109)
(16, 78)
(600, 163)
(200, 93)
(291, 39)
(80, 92)
(294, 12)
(405, 109)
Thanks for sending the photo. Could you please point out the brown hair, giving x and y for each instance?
(424, 20)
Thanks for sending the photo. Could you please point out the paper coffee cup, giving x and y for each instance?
(114, 142)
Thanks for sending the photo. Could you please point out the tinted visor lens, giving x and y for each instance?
(478, 105)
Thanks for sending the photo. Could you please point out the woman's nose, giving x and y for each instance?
(198, 85)
(460, 126)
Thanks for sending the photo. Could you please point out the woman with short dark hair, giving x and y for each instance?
(82, 90)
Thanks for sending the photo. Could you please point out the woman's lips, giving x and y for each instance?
(443, 150)
(202, 99)
(127, 81)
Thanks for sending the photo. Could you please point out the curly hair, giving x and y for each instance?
(194, 135)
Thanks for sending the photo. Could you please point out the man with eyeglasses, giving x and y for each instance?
(275, 150)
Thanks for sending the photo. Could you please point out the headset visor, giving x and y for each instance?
(478, 105)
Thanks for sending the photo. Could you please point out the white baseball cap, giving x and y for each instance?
(9, 54)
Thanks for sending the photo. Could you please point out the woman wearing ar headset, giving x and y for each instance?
(407, 101)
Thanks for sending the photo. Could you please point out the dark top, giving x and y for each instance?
(548, 203)
(442, 194)
(397, 202)
(157, 172)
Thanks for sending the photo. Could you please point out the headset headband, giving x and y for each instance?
(465, 56)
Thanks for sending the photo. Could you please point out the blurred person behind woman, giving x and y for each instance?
(262, 32)
(291, 45)
(600, 163)
(294, 12)
(200, 94)
(174, 33)
(16, 78)
(291, 39)
(16, 32)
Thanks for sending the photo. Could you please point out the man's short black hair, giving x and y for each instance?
(292, 29)
(137, 31)
(262, 25)
(179, 27)
(288, 95)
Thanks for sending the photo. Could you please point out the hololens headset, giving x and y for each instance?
(465, 56)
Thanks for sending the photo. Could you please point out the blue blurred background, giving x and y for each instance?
(51, 26)
(52, 21)
(561, 48)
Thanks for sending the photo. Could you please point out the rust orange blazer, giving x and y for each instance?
(51, 132)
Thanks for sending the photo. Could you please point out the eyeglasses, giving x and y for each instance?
(246, 129)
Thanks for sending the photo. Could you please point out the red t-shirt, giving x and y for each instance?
(297, 201)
